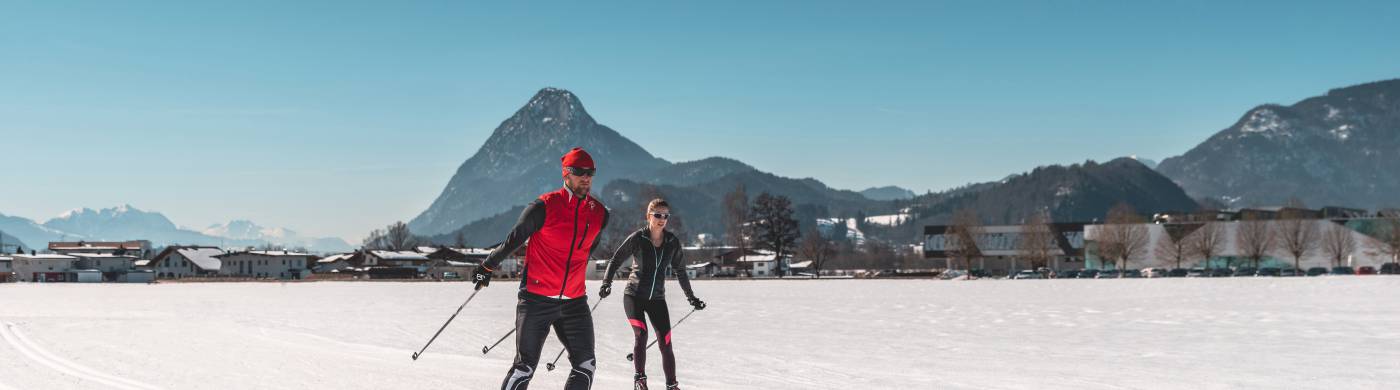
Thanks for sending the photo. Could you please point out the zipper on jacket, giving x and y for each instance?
(656, 271)
(585, 235)
(568, 261)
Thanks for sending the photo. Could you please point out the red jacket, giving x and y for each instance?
(562, 230)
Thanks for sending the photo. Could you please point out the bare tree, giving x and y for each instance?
(736, 216)
(1297, 234)
(1123, 237)
(374, 241)
(1207, 242)
(1255, 238)
(962, 237)
(1338, 243)
(1175, 245)
(817, 249)
(1037, 241)
(1388, 238)
(400, 238)
(395, 237)
(460, 239)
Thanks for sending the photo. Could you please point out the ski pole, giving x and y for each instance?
(550, 366)
(658, 337)
(449, 321)
(485, 349)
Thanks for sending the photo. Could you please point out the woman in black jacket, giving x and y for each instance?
(656, 252)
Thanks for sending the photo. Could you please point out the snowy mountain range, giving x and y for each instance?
(1333, 150)
(129, 223)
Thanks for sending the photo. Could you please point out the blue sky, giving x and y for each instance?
(339, 117)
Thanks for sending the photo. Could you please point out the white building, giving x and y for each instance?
(396, 259)
(46, 268)
(1364, 253)
(265, 264)
(6, 269)
(185, 261)
(104, 262)
(763, 265)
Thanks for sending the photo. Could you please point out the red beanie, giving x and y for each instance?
(576, 158)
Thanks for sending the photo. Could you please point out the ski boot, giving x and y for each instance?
(640, 382)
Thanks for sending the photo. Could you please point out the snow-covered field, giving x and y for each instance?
(1236, 333)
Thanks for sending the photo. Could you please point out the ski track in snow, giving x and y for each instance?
(38, 354)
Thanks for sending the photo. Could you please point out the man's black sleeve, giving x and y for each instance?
(530, 222)
(623, 252)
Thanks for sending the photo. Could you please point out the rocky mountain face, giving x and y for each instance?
(1338, 149)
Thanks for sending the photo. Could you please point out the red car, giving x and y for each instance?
(1366, 270)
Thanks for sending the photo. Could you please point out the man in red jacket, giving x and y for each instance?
(563, 228)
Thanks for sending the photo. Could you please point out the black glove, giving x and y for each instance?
(697, 303)
(482, 276)
(606, 290)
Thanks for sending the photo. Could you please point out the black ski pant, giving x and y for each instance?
(638, 310)
(573, 325)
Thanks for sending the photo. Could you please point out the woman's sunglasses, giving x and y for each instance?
(661, 216)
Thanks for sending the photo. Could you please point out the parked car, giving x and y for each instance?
(1343, 271)
(1198, 272)
(1267, 271)
(1290, 271)
(1221, 273)
(1244, 271)
(1317, 271)
(1088, 274)
(1132, 273)
(1366, 270)
(951, 274)
(1179, 273)
(1027, 274)
(1154, 272)
(1067, 274)
(1390, 269)
(1108, 274)
(980, 273)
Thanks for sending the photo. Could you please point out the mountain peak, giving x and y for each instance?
(554, 105)
(520, 160)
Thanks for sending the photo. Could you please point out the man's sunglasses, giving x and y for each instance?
(581, 171)
(661, 215)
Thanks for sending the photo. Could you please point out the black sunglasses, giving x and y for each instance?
(661, 215)
(581, 171)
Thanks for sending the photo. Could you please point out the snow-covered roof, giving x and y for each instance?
(699, 265)
(426, 249)
(142, 263)
(753, 258)
(473, 251)
(801, 264)
(44, 257)
(335, 258)
(205, 258)
(99, 255)
(451, 263)
(276, 253)
(6, 258)
(399, 255)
